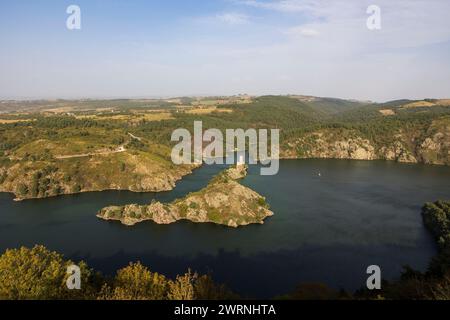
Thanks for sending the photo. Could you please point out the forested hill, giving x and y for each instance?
(58, 147)
(404, 130)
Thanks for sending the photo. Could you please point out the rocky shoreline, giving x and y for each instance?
(38, 180)
(431, 148)
(224, 201)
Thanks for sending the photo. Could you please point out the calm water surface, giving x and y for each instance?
(327, 228)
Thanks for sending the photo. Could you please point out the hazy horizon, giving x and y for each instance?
(138, 49)
(112, 98)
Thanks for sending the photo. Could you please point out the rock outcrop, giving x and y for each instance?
(430, 147)
(435, 149)
(139, 172)
(329, 145)
(224, 201)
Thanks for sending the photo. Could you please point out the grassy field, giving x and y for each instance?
(207, 110)
(131, 118)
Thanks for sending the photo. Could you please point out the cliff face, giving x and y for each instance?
(435, 147)
(224, 201)
(134, 172)
(328, 145)
(430, 147)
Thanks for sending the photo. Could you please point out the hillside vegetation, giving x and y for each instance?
(42, 276)
(49, 148)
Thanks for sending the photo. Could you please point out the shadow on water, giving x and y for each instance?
(332, 220)
(268, 274)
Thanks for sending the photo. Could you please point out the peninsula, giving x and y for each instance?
(223, 201)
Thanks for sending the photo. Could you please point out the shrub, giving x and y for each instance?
(136, 282)
(38, 273)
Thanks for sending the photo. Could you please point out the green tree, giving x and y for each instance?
(3, 177)
(206, 289)
(136, 282)
(35, 184)
(22, 189)
(183, 287)
(76, 188)
(41, 274)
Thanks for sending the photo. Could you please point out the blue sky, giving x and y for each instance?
(213, 47)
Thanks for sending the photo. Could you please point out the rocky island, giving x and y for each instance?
(224, 201)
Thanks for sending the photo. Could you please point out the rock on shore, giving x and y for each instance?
(224, 201)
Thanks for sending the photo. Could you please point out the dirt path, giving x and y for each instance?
(134, 137)
(83, 155)
(101, 153)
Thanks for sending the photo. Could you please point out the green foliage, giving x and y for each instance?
(138, 145)
(136, 282)
(215, 215)
(22, 189)
(40, 274)
(436, 217)
(262, 202)
(183, 208)
(62, 122)
(118, 140)
(206, 289)
(182, 288)
(117, 213)
(440, 290)
(3, 176)
(76, 188)
(194, 205)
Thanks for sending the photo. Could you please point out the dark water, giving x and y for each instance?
(326, 228)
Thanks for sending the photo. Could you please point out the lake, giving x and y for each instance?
(333, 218)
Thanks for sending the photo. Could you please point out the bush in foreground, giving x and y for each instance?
(40, 274)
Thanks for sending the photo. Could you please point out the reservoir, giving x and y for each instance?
(333, 218)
